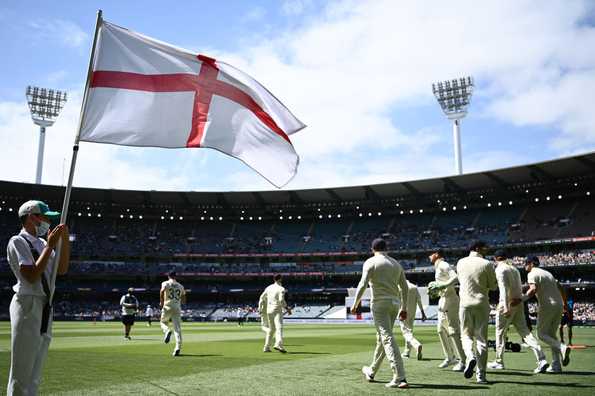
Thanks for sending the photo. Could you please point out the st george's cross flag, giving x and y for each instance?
(144, 92)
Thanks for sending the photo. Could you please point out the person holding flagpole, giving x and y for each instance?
(32, 259)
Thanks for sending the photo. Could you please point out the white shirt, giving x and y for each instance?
(173, 292)
(444, 274)
(18, 254)
(386, 279)
(128, 299)
(274, 298)
(509, 283)
(149, 312)
(547, 287)
(476, 277)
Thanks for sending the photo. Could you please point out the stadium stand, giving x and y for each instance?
(226, 246)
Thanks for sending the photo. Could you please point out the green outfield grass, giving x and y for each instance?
(88, 359)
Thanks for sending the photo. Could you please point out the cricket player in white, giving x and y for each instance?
(449, 328)
(32, 260)
(413, 302)
(386, 279)
(149, 315)
(171, 297)
(271, 305)
(510, 288)
(476, 278)
(550, 297)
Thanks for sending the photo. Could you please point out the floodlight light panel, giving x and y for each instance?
(45, 104)
(453, 95)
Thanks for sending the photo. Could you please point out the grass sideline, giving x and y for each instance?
(88, 359)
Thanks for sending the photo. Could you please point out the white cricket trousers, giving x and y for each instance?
(175, 316)
(275, 320)
(407, 330)
(517, 319)
(29, 348)
(449, 328)
(385, 313)
(474, 325)
(548, 323)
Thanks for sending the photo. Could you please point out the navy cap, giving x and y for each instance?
(171, 274)
(532, 259)
(379, 245)
(500, 253)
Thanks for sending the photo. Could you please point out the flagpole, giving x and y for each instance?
(75, 149)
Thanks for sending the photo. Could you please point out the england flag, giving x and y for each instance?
(144, 92)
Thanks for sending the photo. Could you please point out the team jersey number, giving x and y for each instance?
(174, 294)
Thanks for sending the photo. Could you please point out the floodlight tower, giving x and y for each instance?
(454, 97)
(45, 105)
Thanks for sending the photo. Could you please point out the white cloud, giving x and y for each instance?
(65, 32)
(254, 15)
(98, 165)
(348, 72)
(295, 7)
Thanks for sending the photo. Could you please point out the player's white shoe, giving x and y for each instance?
(266, 349)
(542, 366)
(446, 362)
(459, 367)
(280, 349)
(176, 352)
(167, 337)
(495, 366)
(368, 373)
(418, 352)
(397, 383)
(405, 355)
(554, 369)
(481, 379)
(565, 350)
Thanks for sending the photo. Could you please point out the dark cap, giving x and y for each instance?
(277, 277)
(438, 251)
(172, 274)
(476, 245)
(500, 253)
(533, 260)
(379, 245)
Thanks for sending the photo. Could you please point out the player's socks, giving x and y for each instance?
(167, 337)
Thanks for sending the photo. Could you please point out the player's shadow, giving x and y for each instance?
(517, 373)
(579, 372)
(446, 386)
(569, 385)
(147, 339)
(192, 355)
(308, 353)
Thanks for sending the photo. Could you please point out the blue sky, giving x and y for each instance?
(358, 73)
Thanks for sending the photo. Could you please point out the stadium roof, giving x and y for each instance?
(538, 173)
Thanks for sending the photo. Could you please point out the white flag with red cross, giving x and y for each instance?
(144, 92)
